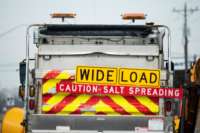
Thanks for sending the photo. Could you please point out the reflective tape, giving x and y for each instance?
(86, 104)
(51, 79)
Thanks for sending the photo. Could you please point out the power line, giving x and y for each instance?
(8, 65)
(11, 29)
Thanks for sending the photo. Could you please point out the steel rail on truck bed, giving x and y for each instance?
(96, 30)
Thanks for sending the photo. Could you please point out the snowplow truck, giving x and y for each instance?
(96, 78)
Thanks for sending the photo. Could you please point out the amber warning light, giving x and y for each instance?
(133, 16)
(63, 15)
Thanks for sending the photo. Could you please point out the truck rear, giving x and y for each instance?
(100, 78)
(74, 63)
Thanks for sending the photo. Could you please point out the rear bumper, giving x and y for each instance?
(77, 123)
(77, 131)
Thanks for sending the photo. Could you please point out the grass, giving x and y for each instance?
(1, 117)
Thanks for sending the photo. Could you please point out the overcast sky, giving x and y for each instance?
(17, 14)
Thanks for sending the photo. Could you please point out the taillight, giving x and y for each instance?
(32, 91)
(31, 104)
(168, 106)
(21, 91)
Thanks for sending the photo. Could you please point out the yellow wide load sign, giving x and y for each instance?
(118, 76)
(98, 75)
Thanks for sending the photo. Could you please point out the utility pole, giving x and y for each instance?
(185, 34)
(186, 11)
